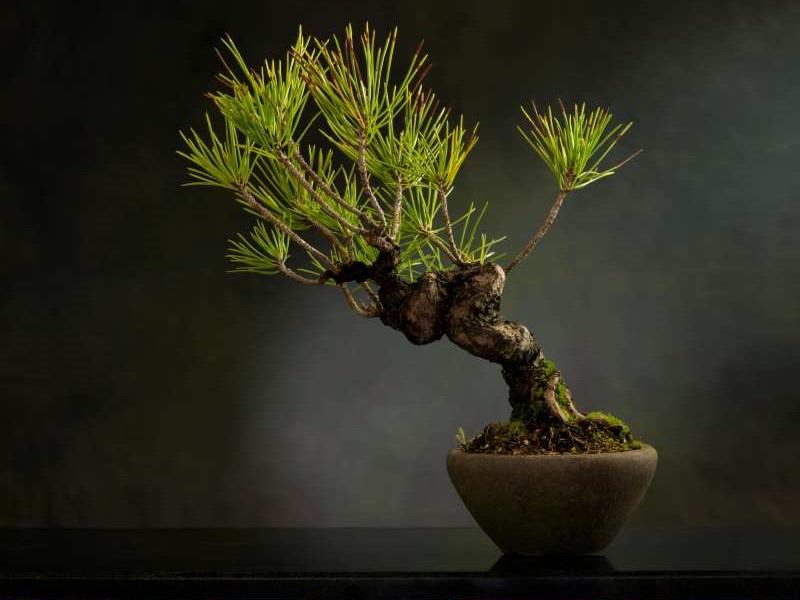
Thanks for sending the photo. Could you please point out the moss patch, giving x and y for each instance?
(536, 410)
(609, 419)
(597, 432)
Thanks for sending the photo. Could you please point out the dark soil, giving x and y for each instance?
(587, 435)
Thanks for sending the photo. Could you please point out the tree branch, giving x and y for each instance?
(326, 208)
(372, 293)
(627, 160)
(329, 191)
(362, 171)
(442, 246)
(448, 226)
(361, 310)
(297, 277)
(335, 243)
(351, 246)
(545, 227)
(397, 209)
(269, 216)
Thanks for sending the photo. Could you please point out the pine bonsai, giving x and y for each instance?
(369, 212)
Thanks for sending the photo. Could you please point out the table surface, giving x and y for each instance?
(643, 562)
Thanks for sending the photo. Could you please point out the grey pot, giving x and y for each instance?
(552, 503)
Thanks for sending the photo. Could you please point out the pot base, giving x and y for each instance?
(552, 503)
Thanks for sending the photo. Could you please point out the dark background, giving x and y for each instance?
(141, 385)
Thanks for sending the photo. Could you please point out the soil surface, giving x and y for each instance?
(587, 435)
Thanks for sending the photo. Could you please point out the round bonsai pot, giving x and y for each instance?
(552, 503)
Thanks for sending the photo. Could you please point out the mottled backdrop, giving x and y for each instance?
(141, 385)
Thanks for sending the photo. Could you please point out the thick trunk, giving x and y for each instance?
(464, 305)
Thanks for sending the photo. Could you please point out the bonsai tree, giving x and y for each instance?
(348, 168)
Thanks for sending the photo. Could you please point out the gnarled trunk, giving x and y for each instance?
(464, 305)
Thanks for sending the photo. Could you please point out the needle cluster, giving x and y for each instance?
(381, 175)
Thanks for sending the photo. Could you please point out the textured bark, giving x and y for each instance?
(474, 322)
(418, 310)
(537, 392)
(464, 306)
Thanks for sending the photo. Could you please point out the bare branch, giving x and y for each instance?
(297, 277)
(545, 227)
(362, 171)
(448, 226)
(351, 246)
(372, 293)
(442, 246)
(630, 158)
(361, 310)
(335, 242)
(269, 216)
(397, 209)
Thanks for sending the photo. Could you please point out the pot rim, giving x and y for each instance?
(645, 449)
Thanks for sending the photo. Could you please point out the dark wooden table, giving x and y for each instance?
(643, 563)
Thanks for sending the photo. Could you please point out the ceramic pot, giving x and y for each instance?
(552, 503)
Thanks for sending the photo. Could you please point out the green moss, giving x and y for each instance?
(562, 399)
(534, 430)
(610, 419)
(507, 431)
(546, 369)
(598, 432)
(516, 428)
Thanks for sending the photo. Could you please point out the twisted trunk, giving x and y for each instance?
(464, 305)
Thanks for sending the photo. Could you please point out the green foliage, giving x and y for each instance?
(261, 253)
(422, 210)
(475, 249)
(461, 437)
(266, 105)
(568, 143)
(446, 152)
(406, 155)
(224, 163)
(352, 87)
(408, 145)
(392, 156)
